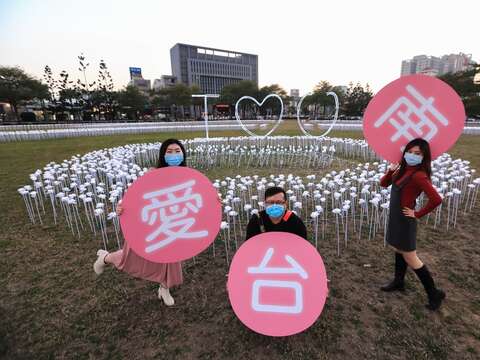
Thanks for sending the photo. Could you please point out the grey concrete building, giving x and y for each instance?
(408, 67)
(294, 97)
(137, 80)
(165, 81)
(144, 85)
(211, 69)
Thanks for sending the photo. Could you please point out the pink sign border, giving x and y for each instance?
(214, 216)
(389, 93)
(260, 241)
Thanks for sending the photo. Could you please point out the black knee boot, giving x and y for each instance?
(435, 296)
(398, 282)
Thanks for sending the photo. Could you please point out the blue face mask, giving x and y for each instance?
(413, 159)
(174, 159)
(275, 210)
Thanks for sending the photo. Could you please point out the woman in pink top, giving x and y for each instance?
(172, 153)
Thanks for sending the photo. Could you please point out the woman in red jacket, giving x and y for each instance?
(409, 180)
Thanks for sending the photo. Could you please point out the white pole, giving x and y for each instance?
(205, 117)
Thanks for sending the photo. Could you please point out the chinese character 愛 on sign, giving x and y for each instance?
(174, 209)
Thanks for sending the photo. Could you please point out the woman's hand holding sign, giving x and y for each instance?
(119, 208)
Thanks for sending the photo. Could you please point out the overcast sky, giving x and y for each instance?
(298, 42)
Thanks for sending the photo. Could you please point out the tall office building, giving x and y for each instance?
(212, 69)
(434, 66)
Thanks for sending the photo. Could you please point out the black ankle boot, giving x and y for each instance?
(435, 296)
(398, 283)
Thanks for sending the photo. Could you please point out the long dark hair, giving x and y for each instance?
(163, 149)
(427, 157)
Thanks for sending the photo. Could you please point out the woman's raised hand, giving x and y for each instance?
(393, 166)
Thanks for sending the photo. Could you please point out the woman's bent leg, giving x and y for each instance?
(114, 258)
(435, 296)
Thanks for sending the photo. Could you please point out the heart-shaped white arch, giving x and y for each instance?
(251, 133)
(299, 109)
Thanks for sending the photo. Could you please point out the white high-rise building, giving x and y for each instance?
(434, 66)
(456, 62)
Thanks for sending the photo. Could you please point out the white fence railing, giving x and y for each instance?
(11, 133)
(44, 134)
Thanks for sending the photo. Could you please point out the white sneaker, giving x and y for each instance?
(164, 294)
(99, 264)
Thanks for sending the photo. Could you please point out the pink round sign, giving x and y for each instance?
(277, 284)
(415, 106)
(170, 214)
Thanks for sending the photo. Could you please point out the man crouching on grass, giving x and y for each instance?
(276, 216)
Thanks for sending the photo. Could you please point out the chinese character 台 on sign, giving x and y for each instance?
(268, 281)
(277, 284)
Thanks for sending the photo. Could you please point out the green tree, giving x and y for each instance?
(180, 96)
(103, 98)
(356, 99)
(198, 105)
(85, 88)
(468, 91)
(51, 83)
(317, 103)
(272, 106)
(231, 93)
(177, 98)
(67, 96)
(160, 102)
(132, 101)
(63, 95)
(17, 86)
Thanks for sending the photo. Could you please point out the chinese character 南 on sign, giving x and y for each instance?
(416, 106)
